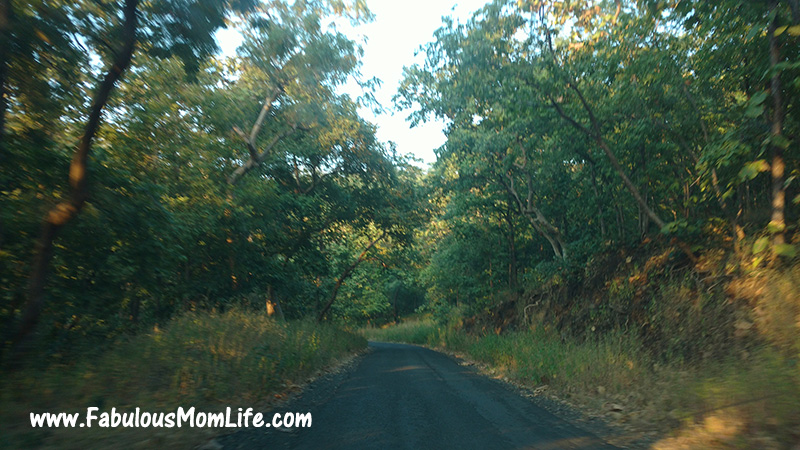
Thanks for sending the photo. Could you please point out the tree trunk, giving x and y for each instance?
(534, 215)
(512, 250)
(65, 211)
(273, 304)
(599, 203)
(555, 244)
(595, 134)
(491, 276)
(644, 220)
(256, 157)
(628, 184)
(394, 305)
(777, 224)
(737, 232)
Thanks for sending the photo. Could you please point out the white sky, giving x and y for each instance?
(399, 29)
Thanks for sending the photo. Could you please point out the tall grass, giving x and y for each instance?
(740, 402)
(409, 332)
(206, 360)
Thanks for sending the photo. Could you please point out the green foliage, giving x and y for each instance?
(164, 230)
(551, 107)
(598, 154)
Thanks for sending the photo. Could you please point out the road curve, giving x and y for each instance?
(408, 397)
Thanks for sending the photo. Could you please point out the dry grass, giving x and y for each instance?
(752, 401)
(205, 360)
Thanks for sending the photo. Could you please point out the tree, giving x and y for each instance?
(595, 120)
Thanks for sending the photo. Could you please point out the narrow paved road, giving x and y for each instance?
(407, 397)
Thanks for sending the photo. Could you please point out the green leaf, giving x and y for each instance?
(752, 33)
(755, 107)
(793, 30)
(780, 141)
(754, 111)
(773, 227)
(787, 250)
(752, 169)
(674, 226)
(758, 98)
(760, 245)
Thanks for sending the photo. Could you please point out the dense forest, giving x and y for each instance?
(615, 165)
(143, 177)
(582, 130)
(611, 166)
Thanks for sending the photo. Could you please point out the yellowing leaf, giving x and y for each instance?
(41, 35)
(753, 168)
(776, 227)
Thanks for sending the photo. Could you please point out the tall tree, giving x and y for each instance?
(178, 29)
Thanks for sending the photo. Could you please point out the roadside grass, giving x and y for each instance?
(206, 360)
(414, 331)
(752, 401)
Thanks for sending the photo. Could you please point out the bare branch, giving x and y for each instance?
(510, 188)
(268, 101)
(260, 158)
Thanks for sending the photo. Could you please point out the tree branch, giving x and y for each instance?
(64, 211)
(268, 101)
(346, 274)
(253, 162)
(569, 119)
(250, 147)
(592, 118)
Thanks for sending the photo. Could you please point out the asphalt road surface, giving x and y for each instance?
(408, 397)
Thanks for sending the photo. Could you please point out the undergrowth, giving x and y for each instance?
(206, 360)
(703, 358)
